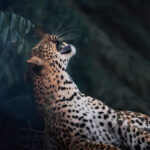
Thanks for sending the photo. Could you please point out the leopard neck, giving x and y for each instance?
(55, 86)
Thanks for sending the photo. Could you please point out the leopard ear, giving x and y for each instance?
(36, 61)
(42, 66)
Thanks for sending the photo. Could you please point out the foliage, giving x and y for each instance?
(16, 33)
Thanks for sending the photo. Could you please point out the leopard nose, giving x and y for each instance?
(66, 49)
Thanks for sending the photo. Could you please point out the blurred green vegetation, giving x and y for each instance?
(113, 52)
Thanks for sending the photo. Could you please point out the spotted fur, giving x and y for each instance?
(74, 120)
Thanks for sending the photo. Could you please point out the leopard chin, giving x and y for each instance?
(66, 49)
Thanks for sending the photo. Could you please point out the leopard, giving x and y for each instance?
(73, 119)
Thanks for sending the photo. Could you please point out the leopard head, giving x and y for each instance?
(52, 51)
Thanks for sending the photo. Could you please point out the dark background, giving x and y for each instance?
(112, 38)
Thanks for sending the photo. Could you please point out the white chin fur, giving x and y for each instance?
(73, 50)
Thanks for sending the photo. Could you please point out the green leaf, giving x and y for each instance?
(5, 33)
(20, 46)
(22, 25)
(28, 28)
(13, 28)
(14, 36)
(1, 20)
(13, 21)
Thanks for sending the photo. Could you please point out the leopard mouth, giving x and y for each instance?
(64, 48)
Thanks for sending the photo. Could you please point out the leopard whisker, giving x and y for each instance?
(68, 38)
(68, 31)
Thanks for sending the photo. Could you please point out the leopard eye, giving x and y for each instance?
(55, 40)
(59, 46)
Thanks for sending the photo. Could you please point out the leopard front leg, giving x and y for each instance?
(89, 145)
(133, 138)
(49, 142)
